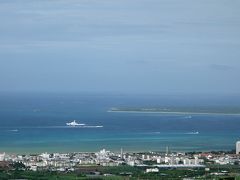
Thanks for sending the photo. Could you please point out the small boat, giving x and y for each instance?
(74, 123)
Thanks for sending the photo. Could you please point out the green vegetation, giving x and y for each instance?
(39, 175)
(126, 172)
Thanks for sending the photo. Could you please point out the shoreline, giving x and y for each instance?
(129, 152)
(114, 150)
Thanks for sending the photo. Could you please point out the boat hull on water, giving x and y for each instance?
(74, 123)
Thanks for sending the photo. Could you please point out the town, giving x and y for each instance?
(153, 163)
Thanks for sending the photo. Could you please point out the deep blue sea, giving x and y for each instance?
(32, 123)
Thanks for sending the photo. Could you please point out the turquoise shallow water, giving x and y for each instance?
(36, 123)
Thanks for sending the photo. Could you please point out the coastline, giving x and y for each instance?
(38, 150)
(163, 150)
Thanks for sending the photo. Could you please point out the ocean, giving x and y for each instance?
(34, 123)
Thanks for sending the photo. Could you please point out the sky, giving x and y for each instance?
(124, 46)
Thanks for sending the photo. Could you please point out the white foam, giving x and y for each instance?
(195, 132)
(14, 130)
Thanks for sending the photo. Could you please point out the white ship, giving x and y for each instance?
(74, 123)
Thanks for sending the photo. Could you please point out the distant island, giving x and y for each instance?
(180, 110)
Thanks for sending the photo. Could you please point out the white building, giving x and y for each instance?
(45, 155)
(152, 170)
(237, 147)
(2, 157)
(167, 159)
(159, 160)
(131, 163)
(33, 168)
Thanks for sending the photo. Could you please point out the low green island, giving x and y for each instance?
(179, 110)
